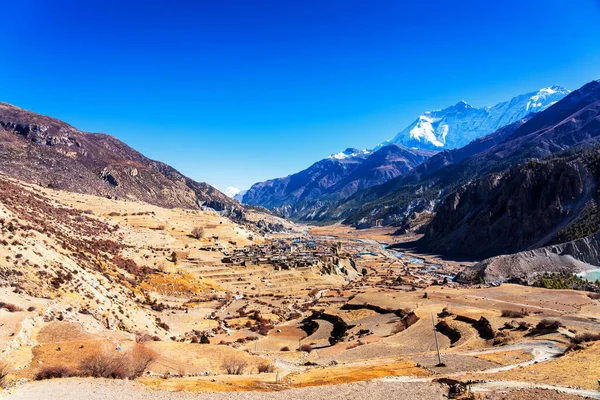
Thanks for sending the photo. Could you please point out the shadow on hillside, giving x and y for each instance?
(418, 247)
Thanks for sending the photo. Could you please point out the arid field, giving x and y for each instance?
(189, 304)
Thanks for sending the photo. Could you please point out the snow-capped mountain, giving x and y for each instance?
(231, 191)
(350, 153)
(458, 125)
(337, 176)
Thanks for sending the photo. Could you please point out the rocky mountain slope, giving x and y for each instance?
(528, 206)
(575, 256)
(570, 122)
(457, 125)
(333, 178)
(51, 153)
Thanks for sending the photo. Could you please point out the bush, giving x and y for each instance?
(118, 366)
(548, 325)
(4, 370)
(514, 314)
(10, 307)
(306, 347)
(585, 337)
(143, 338)
(285, 348)
(265, 368)
(234, 366)
(198, 232)
(54, 372)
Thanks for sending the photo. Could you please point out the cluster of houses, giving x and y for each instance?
(284, 253)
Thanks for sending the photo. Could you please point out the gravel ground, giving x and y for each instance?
(532, 394)
(100, 389)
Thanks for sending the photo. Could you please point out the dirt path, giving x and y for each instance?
(503, 385)
(102, 389)
(540, 350)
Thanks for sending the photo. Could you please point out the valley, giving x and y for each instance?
(234, 308)
(339, 200)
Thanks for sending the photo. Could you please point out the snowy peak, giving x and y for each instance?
(546, 97)
(457, 125)
(350, 153)
(231, 191)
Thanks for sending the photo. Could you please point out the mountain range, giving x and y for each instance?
(460, 124)
(333, 178)
(311, 194)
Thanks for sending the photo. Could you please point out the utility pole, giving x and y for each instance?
(440, 364)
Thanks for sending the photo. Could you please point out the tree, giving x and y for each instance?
(198, 232)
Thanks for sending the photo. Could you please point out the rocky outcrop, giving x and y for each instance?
(51, 153)
(571, 257)
(504, 213)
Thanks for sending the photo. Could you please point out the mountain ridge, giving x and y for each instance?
(49, 152)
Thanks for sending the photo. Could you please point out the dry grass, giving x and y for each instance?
(356, 373)
(173, 285)
(578, 369)
(506, 357)
(228, 383)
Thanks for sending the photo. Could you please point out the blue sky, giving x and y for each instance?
(234, 92)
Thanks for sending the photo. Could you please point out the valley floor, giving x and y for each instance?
(353, 323)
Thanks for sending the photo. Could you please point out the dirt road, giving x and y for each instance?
(102, 389)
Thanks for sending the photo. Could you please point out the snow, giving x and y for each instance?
(457, 125)
(231, 191)
(424, 131)
(349, 153)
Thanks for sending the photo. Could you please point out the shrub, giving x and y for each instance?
(523, 326)
(54, 372)
(285, 348)
(234, 366)
(4, 370)
(306, 347)
(10, 307)
(548, 325)
(265, 368)
(102, 365)
(143, 338)
(139, 359)
(585, 337)
(514, 314)
(118, 366)
(198, 232)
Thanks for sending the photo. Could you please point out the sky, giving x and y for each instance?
(232, 92)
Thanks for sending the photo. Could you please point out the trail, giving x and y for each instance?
(499, 385)
(541, 351)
